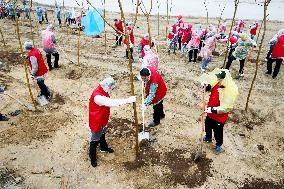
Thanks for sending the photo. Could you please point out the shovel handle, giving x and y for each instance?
(143, 113)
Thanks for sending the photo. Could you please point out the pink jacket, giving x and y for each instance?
(194, 42)
(48, 39)
(207, 50)
(151, 59)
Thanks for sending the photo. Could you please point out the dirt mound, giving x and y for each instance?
(74, 74)
(9, 58)
(59, 99)
(249, 119)
(34, 126)
(259, 183)
(182, 170)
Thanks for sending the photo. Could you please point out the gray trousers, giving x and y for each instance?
(97, 136)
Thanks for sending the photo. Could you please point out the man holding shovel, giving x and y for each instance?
(223, 95)
(49, 46)
(155, 90)
(99, 112)
(38, 68)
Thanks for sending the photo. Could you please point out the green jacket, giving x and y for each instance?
(242, 48)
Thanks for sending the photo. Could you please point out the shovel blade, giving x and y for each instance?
(42, 100)
(143, 136)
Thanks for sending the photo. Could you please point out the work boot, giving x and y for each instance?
(153, 124)
(103, 145)
(93, 152)
(218, 149)
(3, 118)
(207, 140)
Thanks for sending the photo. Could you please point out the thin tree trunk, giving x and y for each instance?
(105, 26)
(79, 35)
(265, 5)
(233, 21)
(31, 25)
(167, 25)
(24, 61)
(157, 45)
(131, 80)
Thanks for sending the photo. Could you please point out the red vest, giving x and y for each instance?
(119, 26)
(131, 36)
(98, 115)
(253, 31)
(215, 102)
(162, 88)
(185, 36)
(144, 42)
(278, 49)
(171, 36)
(42, 69)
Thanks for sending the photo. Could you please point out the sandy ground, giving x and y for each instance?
(49, 148)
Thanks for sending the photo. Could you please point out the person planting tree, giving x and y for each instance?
(222, 98)
(99, 113)
(155, 90)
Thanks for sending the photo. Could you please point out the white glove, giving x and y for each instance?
(141, 60)
(131, 99)
(143, 107)
(208, 110)
(203, 83)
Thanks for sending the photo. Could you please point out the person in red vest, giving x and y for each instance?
(119, 31)
(186, 37)
(241, 26)
(38, 68)
(277, 55)
(217, 111)
(129, 29)
(173, 37)
(155, 90)
(180, 25)
(253, 29)
(143, 42)
(99, 113)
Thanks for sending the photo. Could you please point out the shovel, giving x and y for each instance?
(199, 150)
(28, 106)
(143, 135)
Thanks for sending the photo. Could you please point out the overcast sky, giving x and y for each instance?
(247, 8)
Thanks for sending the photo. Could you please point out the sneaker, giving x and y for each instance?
(218, 149)
(241, 74)
(108, 150)
(4, 118)
(273, 77)
(153, 124)
(207, 140)
(203, 70)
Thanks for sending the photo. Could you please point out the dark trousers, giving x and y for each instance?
(230, 61)
(46, 19)
(217, 127)
(48, 57)
(118, 40)
(158, 112)
(93, 148)
(43, 88)
(131, 50)
(59, 21)
(276, 68)
(179, 43)
(194, 52)
(231, 51)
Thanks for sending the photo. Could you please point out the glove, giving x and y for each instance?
(143, 107)
(32, 77)
(140, 59)
(208, 110)
(203, 83)
(131, 99)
